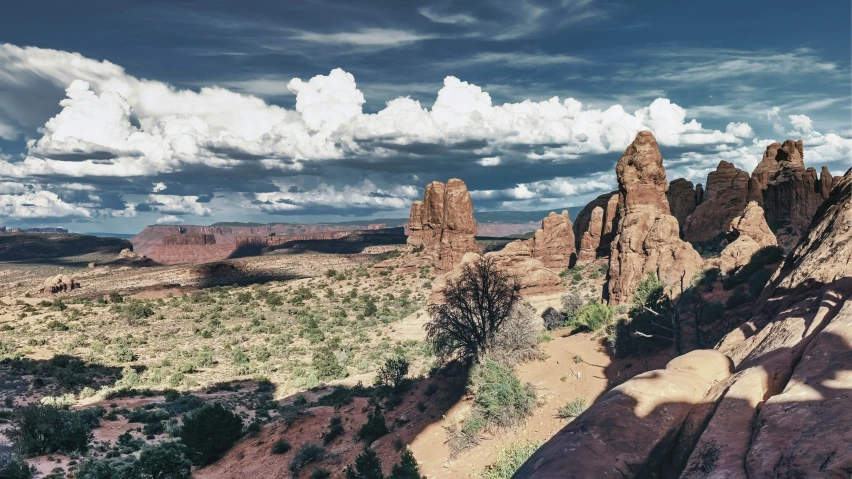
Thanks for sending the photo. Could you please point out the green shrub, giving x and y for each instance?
(392, 373)
(166, 460)
(306, 454)
(759, 260)
(737, 298)
(406, 468)
(109, 469)
(335, 430)
(500, 397)
(325, 364)
(375, 427)
(38, 430)
(209, 432)
(367, 466)
(593, 316)
(320, 473)
(572, 408)
(509, 460)
(17, 468)
(280, 447)
(758, 281)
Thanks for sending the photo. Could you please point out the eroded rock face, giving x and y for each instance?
(789, 192)
(594, 227)
(683, 199)
(553, 243)
(624, 432)
(724, 199)
(516, 258)
(781, 414)
(648, 237)
(445, 227)
(747, 234)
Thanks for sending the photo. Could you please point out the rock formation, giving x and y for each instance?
(724, 199)
(594, 227)
(444, 227)
(553, 243)
(517, 259)
(747, 234)
(60, 283)
(791, 358)
(647, 240)
(783, 412)
(788, 192)
(683, 199)
(624, 433)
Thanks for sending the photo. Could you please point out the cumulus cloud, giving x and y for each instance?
(169, 220)
(114, 126)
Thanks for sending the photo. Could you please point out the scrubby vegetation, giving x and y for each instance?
(41, 429)
(474, 308)
(509, 460)
(210, 431)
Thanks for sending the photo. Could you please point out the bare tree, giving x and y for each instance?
(474, 308)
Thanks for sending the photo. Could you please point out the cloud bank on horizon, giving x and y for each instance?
(127, 147)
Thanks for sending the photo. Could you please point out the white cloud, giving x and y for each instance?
(490, 161)
(159, 187)
(368, 37)
(446, 18)
(363, 195)
(169, 219)
(179, 205)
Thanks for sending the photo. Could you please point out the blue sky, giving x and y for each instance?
(188, 111)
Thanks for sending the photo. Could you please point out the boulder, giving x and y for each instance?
(553, 243)
(724, 199)
(516, 258)
(648, 237)
(60, 283)
(443, 225)
(683, 199)
(627, 432)
(747, 234)
(594, 230)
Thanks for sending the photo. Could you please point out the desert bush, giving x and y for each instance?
(375, 427)
(509, 460)
(326, 365)
(335, 430)
(571, 303)
(392, 373)
(306, 454)
(109, 469)
(593, 316)
(367, 466)
(38, 430)
(572, 408)
(518, 338)
(759, 260)
(737, 298)
(653, 322)
(17, 468)
(499, 396)
(320, 473)
(406, 468)
(758, 281)
(475, 306)
(280, 447)
(166, 460)
(209, 432)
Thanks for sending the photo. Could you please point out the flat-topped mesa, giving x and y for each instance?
(647, 240)
(683, 199)
(594, 227)
(553, 243)
(443, 223)
(724, 199)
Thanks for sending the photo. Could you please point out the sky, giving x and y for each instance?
(116, 114)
